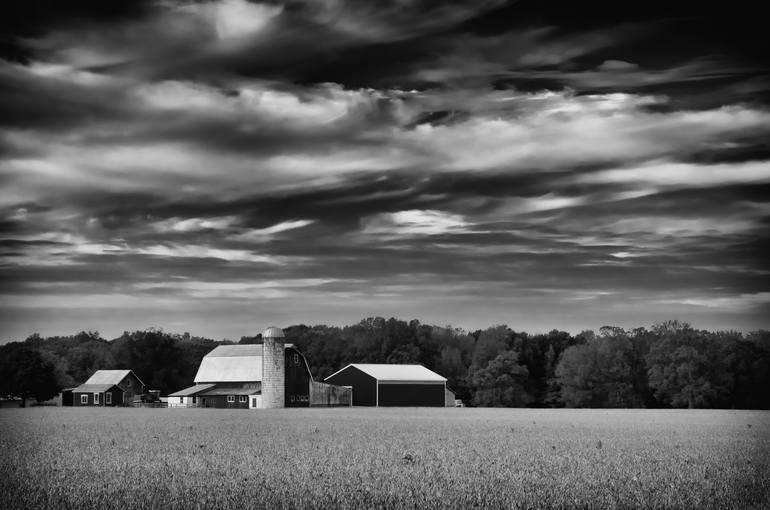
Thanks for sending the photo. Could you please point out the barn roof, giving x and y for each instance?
(233, 391)
(192, 390)
(232, 363)
(109, 377)
(396, 373)
(92, 388)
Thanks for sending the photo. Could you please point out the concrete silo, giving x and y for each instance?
(273, 368)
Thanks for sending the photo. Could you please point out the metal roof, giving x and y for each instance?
(92, 388)
(236, 350)
(108, 376)
(272, 332)
(232, 363)
(232, 391)
(396, 373)
(192, 390)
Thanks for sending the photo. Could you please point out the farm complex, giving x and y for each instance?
(272, 374)
(258, 376)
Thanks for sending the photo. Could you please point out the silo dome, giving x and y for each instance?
(272, 332)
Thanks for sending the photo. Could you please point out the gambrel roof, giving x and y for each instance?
(384, 372)
(232, 363)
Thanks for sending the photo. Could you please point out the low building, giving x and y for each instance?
(108, 388)
(449, 398)
(392, 385)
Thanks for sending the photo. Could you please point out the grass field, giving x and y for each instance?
(386, 458)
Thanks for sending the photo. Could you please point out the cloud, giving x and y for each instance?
(373, 158)
(413, 222)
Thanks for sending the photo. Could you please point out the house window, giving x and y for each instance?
(243, 398)
(96, 398)
(83, 399)
(296, 359)
(253, 402)
(108, 398)
(231, 398)
(195, 400)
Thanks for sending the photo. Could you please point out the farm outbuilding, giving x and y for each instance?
(106, 388)
(257, 376)
(449, 398)
(386, 385)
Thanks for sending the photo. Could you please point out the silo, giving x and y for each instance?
(273, 368)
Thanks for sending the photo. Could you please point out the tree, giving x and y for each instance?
(24, 373)
(501, 382)
(598, 373)
(685, 367)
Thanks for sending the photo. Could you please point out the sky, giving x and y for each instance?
(219, 167)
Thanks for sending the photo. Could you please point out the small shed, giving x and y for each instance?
(385, 385)
(108, 388)
(449, 398)
(188, 397)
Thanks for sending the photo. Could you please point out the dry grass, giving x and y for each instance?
(386, 458)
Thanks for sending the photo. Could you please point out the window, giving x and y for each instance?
(296, 359)
(108, 398)
(83, 399)
(195, 400)
(254, 402)
(96, 399)
(231, 398)
(243, 398)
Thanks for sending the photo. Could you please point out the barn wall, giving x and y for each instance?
(364, 386)
(422, 395)
(76, 399)
(329, 395)
(449, 398)
(297, 383)
(220, 402)
(132, 387)
(117, 397)
(65, 398)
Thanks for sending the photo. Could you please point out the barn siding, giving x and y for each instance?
(297, 392)
(220, 402)
(328, 395)
(364, 385)
(132, 387)
(421, 395)
(117, 397)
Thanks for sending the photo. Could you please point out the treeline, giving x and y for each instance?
(669, 365)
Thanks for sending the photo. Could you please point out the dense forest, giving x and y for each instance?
(669, 365)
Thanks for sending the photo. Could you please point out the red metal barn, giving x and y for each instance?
(386, 385)
(108, 388)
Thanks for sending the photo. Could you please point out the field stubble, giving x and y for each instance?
(383, 458)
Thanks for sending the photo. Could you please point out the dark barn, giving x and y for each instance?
(297, 382)
(108, 388)
(386, 385)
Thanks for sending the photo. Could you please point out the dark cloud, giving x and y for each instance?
(546, 163)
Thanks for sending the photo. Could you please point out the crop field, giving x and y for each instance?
(383, 458)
